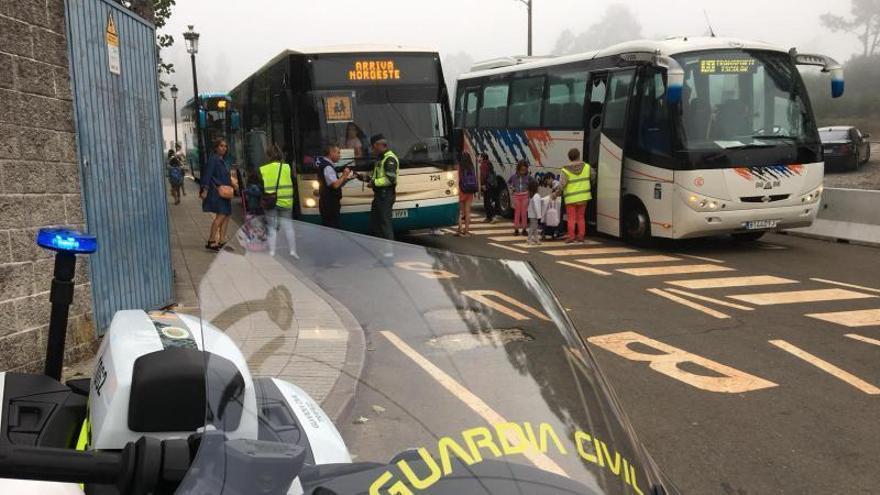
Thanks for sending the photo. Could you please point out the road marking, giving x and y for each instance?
(425, 269)
(477, 405)
(589, 251)
(625, 260)
(502, 246)
(497, 231)
(650, 271)
(718, 283)
(764, 245)
(690, 304)
(482, 224)
(800, 296)
(482, 297)
(733, 380)
(701, 258)
(585, 268)
(507, 238)
(851, 286)
(858, 318)
(827, 367)
(863, 338)
(544, 244)
(710, 299)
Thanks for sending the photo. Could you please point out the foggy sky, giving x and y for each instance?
(239, 36)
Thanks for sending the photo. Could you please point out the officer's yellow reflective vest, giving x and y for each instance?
(577, 186)
(380, 179)
(269, 172)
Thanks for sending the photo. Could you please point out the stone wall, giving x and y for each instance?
(39, 182)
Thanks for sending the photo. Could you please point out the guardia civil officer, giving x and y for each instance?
(384, 183)
(330, 186)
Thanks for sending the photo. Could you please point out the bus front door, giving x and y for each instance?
(609, 105)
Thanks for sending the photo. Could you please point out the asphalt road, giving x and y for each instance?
(760, 397)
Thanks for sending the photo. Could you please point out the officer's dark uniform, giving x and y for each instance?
(384, 180)
(329, 198)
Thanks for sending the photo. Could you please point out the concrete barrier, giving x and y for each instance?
(846, 215)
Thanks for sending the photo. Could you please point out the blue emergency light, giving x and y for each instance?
(68, 241)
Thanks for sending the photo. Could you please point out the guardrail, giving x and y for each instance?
(846, 215)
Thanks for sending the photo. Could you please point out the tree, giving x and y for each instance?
(618, 24)
(864, 24)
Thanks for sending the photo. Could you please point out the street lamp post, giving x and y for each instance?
(174, 98)
(192, 47)
(528, 4)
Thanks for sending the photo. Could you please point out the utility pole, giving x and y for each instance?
(528, 4)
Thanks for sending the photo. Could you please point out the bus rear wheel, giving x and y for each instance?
(748, 236)
(505, 207)
(636, 224)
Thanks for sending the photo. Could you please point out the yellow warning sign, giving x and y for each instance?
(338, 109)
(112, 37)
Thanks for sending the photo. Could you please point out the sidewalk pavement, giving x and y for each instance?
(285, 325)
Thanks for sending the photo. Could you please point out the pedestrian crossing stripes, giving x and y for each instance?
(486, 225)
(502, 246)
(800, 296)
(701, 258)
(585, 268)
(507, 238)
(841, 284)
(544, 244)
(858, 318)
(686, 302)
(500, 230)
(712, 300)
(862, 338)
(589, 251)
(726, 282)
(652, 271)
(626, 260)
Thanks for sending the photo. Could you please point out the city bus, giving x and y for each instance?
(217, 120)
(303, 100)
(689, 137)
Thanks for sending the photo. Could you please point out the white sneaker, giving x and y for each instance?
(294, 255)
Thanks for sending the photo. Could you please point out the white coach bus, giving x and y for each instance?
(689, 137)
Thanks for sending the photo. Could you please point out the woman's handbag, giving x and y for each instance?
(225, 192)
(268, 200)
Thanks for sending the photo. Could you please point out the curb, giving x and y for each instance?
(340, 399)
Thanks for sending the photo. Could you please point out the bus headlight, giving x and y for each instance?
(454, 191)
(315, 185)
(450, 175)
(699, 203)
(812, 196)
(310, 203)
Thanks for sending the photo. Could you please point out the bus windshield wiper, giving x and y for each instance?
(774, 136)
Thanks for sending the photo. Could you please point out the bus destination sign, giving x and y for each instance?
(373, 70)
(727, 66)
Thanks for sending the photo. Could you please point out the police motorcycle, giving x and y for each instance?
(446, 374)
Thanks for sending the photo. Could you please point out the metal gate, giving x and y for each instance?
(119, 139)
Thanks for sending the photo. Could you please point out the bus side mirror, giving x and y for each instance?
(203, 119)
(235, 120)
(828, 64)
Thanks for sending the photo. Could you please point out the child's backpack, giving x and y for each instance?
(468, 181)
(175, 175)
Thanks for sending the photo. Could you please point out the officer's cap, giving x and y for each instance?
(377, 138)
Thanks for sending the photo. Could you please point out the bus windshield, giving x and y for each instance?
(414, 125)
(739, 99)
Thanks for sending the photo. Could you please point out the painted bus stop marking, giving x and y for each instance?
(827, 367)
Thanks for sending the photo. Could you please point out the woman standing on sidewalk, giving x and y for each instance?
(519, 183)
(216, 193)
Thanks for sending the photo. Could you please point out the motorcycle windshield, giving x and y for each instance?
(347, 364)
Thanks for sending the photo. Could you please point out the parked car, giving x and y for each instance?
(845, 147)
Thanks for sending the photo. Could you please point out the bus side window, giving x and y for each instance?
(471, 101)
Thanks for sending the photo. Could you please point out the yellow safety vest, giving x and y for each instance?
(577, 186)
(379, 177)
(270, 172)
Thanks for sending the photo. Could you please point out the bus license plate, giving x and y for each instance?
(400, 214)
(761, 224)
